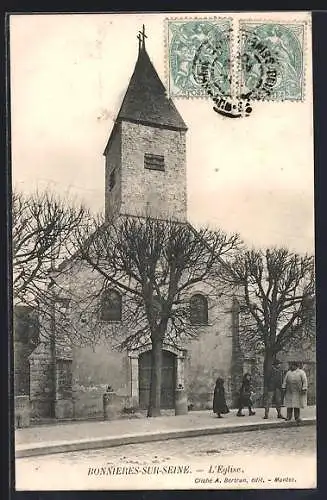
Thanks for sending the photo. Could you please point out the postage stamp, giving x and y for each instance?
(268, 63)
(271, 60)
(193, 45)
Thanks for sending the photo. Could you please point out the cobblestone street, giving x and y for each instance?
(284, 441)
(294, 445)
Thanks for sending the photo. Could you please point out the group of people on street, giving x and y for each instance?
(290, 391)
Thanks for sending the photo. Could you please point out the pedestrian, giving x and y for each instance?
(295, 386)
(245, 396)
(274, 390)
(219, 402)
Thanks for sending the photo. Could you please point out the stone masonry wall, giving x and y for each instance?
(113, 163)
(210, 356)
(41, 381)
(21, 368)
(26, 338)
(305, 353)
(161, 194)
(101, 366)
(93, 370)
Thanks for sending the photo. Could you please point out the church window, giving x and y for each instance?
(112, 180)
(111, 306)
(154, 162)
(199, 310)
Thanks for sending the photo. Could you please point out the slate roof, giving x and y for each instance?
(146, 98)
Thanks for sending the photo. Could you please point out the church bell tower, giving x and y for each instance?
(145, 157)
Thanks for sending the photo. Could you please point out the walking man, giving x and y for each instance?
(275, 391)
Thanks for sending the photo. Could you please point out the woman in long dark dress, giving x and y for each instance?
(219, 402)
(245, 396)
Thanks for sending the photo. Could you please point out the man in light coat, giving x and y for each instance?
(295, 386)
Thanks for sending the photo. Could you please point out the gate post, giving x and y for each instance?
(110, 404)
(134, 364)
(180, 401)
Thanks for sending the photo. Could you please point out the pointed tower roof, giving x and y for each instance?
(146, 98)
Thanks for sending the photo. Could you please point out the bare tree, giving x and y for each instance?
(42, 232)
(154, 264)
(276, 295)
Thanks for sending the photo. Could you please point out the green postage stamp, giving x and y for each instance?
(192, 45)
(272, 60)
(257, 60)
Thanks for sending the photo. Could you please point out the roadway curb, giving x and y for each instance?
(34, 450)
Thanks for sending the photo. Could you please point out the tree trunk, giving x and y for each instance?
(267, 367)
(155, 384)
(53, 367)
(237, 356)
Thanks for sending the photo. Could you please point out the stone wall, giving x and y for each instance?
(210, 355)
(113, 164)
(64, 388)
(26, 337)
(99, 367)
(306, 354)
(161, 194)
(42, 382)
(21, 368)
(22, 411)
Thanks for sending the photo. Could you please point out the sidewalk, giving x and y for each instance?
(77, 436)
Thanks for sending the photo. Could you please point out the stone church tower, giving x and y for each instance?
(146, 154)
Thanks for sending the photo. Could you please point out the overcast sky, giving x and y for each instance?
(69, 74)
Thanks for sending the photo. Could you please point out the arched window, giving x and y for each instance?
(111, 305)
(199, 310)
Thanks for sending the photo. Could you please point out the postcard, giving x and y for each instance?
(163, 251)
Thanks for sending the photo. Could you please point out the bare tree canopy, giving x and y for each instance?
(276, 294)
(154, 264)
(42, 227)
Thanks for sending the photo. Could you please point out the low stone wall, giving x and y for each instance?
(200, 394)
(64, 408)
(200, 401)
(41, 382)
(41, 409)
(89, 404)
(22, 411)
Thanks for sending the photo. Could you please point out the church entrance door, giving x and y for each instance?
(168, 379)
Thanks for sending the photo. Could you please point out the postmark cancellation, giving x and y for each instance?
(193, 44)
(244, 59)
(271, 60)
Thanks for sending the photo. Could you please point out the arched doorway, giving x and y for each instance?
(168, 379)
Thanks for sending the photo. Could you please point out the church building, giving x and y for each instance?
(145, 175)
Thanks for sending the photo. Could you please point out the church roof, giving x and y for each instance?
(146, 98)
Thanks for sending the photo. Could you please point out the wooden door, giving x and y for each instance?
(168, 379)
